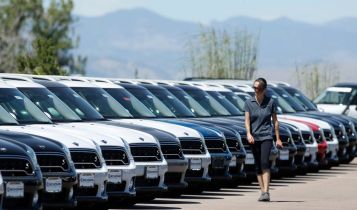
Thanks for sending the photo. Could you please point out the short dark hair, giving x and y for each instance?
(262, 82)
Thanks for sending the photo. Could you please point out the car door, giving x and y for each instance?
(352, 109)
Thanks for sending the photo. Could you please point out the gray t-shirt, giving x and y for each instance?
(261, 117)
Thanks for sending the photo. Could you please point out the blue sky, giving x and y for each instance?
(205, 11)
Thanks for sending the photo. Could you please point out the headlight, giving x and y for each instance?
(99, 150)
(203, 140)
(31, 153)
(127, 149)
(67, 153)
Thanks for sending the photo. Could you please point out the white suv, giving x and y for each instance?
(109, 138)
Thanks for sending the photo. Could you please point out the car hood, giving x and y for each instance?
(177, 130)
(37, 143)
(70, 141)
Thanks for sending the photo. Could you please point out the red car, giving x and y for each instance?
(320, 139)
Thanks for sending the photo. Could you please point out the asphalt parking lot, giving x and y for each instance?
(328, 189)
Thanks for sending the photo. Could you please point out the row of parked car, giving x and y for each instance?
(77, 141)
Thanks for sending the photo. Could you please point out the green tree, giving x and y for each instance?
(43, 61)
(15, 17)
(27, 23)
(218, 54)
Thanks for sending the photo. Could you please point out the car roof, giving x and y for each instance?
(49, 84)
(346, 84)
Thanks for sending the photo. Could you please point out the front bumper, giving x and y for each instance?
(96, 194)
(352, 149)
(124, 188)
(299, 159)
(287, 165)
(32, 185)
(198, 176)
(175, 176)
(65, 198)
(236, 167)
(146, 185)
(332, 154)
(218, 170)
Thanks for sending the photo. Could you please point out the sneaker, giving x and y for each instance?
(261, 198)
(265, 197)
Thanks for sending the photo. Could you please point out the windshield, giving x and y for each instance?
(335, 95)
(282, 93)
(208, 102)
(234, 99)
(125, 98)
(6, 118)
(80, 106)
(151, 102)
(175, 106)
(244, 97)
(21, 108)
(104, 103)
(301, 98)
(190, 103)
(224, 102)
(280, 102)
(50, 104)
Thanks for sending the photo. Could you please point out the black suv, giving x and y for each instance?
(59, 175)
(21, 174)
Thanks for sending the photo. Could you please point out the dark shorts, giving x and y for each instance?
(261, 152)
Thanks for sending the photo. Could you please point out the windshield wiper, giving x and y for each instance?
(9, 123)
(66, 121)
(34, 122)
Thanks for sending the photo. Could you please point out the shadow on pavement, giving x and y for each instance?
(345, 169)
(332, 172)
(198, 197)
(287, 201)
(219, 194)
(139, 206)
(172, 201)
(237, 190)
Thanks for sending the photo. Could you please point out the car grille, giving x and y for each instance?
(296, 138)
(286, 140)
(350, 132)
(318, 136)
(192, 146)
(52, 163)
(115, 156)
(307, 138)
(233, 144)
(15, 167)
(328, 135)
(145, 152)
(339, 133)
(245, 142)
(85, 159)
(216, 145)
(172, 151)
